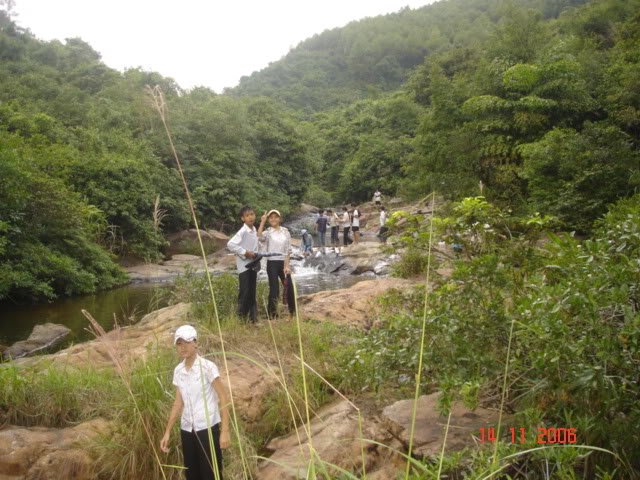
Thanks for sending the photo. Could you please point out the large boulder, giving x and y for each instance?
(249, 383)
(336, 439)
(49, 453)
(430, 425)
(353, 260)
(355, 306)
(42, 337)
(306, 209)
(187, 241)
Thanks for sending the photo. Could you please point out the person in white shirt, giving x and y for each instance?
(202, 399)
(383, 224)
(333, 224)
(346, 225)
(355, 222)
(245, 245)
(377, 198)
(276, 239)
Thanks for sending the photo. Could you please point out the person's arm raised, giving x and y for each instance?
(263, 221)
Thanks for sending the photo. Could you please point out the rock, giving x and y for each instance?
(249, 382)
(430, 425)
(41, 338)
(48, 453)
(306, 209)
(335, 436)
(187, 240)
(178, 265)
(363, 257)
(127, 343)
(354, 306)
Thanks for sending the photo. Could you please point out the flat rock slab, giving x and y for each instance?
(130, 344)
(42, 337)
(178, 265)
(356, 306)
(335, 436)
(430, 425)
(48, 453)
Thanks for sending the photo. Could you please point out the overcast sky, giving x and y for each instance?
(197, 42)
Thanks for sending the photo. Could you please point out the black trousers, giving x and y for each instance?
(347, 240)
(247, 296)
(275, 273)
(196, 451)
(334, 236)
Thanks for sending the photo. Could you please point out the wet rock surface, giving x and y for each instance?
(42, 337)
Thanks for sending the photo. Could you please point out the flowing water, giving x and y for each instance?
(132, 302)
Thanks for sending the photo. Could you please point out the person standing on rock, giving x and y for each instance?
(276, 239)
(245, 245)
(321, 229)
(201, 397)
(377, 199)
(346, 225)
(355, 222)
(383, 225)
(333, 223)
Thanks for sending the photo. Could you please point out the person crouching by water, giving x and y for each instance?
(202, 399)
(276, 239)
(307, 242)
(245, 245)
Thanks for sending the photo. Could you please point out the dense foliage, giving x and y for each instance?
(575, 312)
(539, 104)
(84, 159)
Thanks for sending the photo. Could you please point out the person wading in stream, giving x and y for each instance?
(245, 245)
(276, 239)
(202, 399)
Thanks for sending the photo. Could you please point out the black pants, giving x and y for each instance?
(275, 273)
(197, 454)
(247, 296)
(383, 233)
(347, 240)
(334, 236)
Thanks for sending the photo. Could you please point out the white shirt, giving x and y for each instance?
(356, 218)
(194, 391)
(383, 218)
(277, 242)
(346, 221)
(333, 220)
(377, 197)
(245, 240)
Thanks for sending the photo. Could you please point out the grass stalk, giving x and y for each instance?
(504, 393)
(422, 336)
(102, 336)
(158, 102)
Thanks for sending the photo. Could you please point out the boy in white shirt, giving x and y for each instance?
(202, 399)
(245, 245)
(355, 223)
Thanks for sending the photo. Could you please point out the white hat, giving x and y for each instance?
(303, 231)
(274, 211)
(187, 333)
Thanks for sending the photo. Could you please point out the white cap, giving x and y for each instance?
(274, 211)
(303, 231)
(187, 333)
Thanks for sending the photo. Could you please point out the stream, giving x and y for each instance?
(131, 302)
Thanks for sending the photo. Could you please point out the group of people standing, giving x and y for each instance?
(201, 398)
(349, 220)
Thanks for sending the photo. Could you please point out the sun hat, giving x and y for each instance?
(187, 333)
(273, 211)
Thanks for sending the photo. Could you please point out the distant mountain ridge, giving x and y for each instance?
(376, 54)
